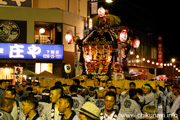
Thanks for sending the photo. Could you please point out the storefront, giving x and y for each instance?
(26, 30)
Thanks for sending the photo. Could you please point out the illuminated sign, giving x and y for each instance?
(31, 51)
(20, 3)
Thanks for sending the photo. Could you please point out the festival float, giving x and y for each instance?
(103, 53)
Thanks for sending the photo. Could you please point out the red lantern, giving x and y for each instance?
(123, 35)
(136, 43)
(69, 38)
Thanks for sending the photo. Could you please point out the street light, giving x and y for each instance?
(173, 60)
(109, 1)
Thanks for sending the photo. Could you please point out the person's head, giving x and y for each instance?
(46, 95)
(3, 84)
(10, 93)
(132, 93)
(146, 88)
(24, 83)
(29, 104)
(96, 82)
(36, 83)
(112, 88)
(176, 90)
(132, 85)
(81, 90)
(58, 83)
(7, 104)
(18, 83)
(73, 89)
(109, 100)
(150, 111)
(118, 90)
(92, 91)
(55, 93)
(139, 91)
(76, 82)
(65, 102)
(109, 83)
(29, 89)
(7, 83)
(89, 111)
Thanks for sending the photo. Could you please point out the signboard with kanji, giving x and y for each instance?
(31, 51)
(160, 52)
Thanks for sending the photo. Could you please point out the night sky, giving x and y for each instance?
(155, 17)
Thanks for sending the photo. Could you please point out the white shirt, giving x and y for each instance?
(129, 107)
(176, 105)
(108, 116)
(14, 113)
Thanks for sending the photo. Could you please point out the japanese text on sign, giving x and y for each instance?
(31, 51)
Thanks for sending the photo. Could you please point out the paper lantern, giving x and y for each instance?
(136, 43)
(123, 35)
(88, 58)
(101, 12)
(69, 38)
(67, 68)
(42, 30)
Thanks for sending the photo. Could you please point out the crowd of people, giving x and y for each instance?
(25, 102)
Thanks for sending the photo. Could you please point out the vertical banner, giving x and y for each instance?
(160, 52)
(18, 72)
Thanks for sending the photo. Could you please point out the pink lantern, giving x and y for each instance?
(123, 35)
(69, 37)
(136, 43)
(88, 58)
(101, 12)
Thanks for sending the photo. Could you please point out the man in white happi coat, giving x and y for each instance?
(16, 111)
(50, 111)
(78, 100)
(129, 107)
(109, 113)
(148, 97)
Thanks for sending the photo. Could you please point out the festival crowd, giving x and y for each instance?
(25, 102)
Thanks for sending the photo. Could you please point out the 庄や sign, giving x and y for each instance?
(31, 51)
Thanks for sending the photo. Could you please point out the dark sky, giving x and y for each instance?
(157, 17)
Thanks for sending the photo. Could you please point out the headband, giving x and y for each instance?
(146, 86)
(176, 89)
(47, 94)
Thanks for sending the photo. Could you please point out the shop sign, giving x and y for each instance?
(20, 3)
(31, 51)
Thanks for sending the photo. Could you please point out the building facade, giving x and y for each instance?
(43, 22)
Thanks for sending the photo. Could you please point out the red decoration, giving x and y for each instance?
(136, 43)
(160, 51)
(69, 38)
